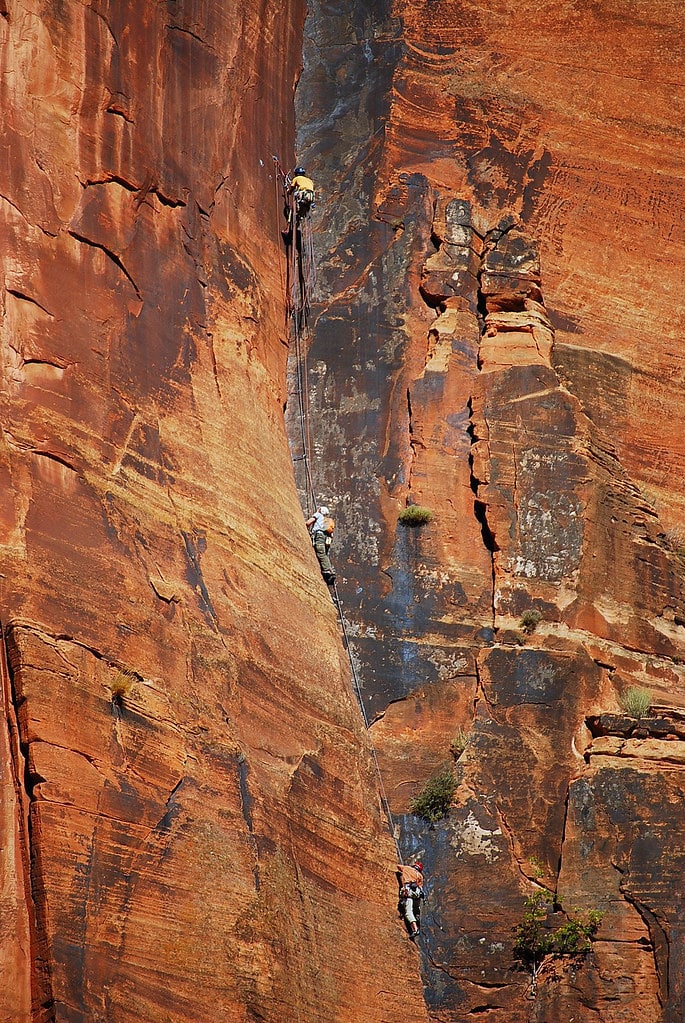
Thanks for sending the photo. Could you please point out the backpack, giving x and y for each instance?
(328, 525)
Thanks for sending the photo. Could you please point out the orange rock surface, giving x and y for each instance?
(496, 337)
(190, 825)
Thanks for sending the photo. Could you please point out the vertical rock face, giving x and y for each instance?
(495, 338)
(190, 823)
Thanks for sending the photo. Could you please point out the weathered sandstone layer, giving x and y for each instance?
(497, 335)
(190, 825)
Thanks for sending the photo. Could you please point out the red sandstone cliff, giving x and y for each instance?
(497, 332)
(497, 336)
(190, 823)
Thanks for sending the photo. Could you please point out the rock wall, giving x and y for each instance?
(496, 335)
(190, 822)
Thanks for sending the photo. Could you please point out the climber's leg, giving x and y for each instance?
(319, 540)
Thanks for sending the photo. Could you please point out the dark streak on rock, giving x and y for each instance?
(194, 577)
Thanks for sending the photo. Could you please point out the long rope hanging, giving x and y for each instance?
(301, 281)
(294, 314)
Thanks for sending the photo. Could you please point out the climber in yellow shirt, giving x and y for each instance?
(301, 188)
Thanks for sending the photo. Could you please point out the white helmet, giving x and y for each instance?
(323, 509)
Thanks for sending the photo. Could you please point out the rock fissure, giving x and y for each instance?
(111, 179)
(562, 838)
(660, 944)
(480, 688)
(480, 506)
(22, 296)
(191, 34)
(117, 110)
(111, 255)
(32, 885)
(53, 457)
(509, 834)
(55, 640)
(193, 547)
(412, 446)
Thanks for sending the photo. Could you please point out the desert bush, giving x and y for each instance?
(415, 515)
(121, 683)
(434, 800)
(530, 620)
(635, 701)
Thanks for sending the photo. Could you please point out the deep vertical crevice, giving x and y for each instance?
(659, 940)
(562, 840)
(412, 445)
(42, 998)
(246, 807)
(480, 508)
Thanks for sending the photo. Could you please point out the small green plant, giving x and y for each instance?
(573, 937)
(537, 867)
(459, 743)
(635, 701)
(535, 939)
(532, 940)
(434, 800)
(122, 683)
(415, 515)
(530, 620)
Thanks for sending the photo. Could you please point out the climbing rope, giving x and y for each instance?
(297, 303)
(301, 279)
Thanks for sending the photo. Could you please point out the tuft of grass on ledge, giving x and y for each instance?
(415, 515)
(459, 743)
(122, 683)
(530, 620)
(635, 701)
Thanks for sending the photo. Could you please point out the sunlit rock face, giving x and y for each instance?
(190, 823)
(496, 336)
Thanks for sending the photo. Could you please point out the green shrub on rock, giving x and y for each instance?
(434, 800)
(535, 939)
(459, 743)
(415, 515)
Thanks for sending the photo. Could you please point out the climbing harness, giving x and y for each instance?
(300, 283)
